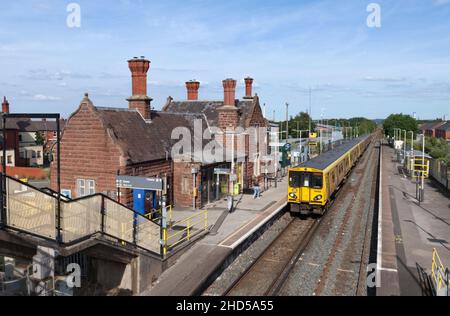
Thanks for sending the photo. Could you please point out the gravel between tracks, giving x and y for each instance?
(243, 261)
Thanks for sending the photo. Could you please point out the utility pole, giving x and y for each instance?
(404, 147)
(287, 122)
(310, 114)
(422, 190)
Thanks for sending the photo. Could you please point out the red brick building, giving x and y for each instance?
(429, 129)
(443, 131)
(23, 151)
(100, 143)
(232, 114)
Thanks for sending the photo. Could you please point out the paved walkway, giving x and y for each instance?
(197, 264)
(414, 230)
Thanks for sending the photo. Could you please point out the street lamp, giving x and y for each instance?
(412, 143)
(422, 189)
(404, 146)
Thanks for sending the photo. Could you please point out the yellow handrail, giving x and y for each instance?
(190, 224)
(169, 213)
(438, 271)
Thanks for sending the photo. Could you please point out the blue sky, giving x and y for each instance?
(286, 45)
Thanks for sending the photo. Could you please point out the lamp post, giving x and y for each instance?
(412, 143)
(422, 189)
(404, 145)
(287, 122)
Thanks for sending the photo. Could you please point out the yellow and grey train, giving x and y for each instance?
(313, 184)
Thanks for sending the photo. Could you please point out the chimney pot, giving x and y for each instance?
(139, 100)
(5, 106)
(192, 90)
(229, 87)
(248, 87)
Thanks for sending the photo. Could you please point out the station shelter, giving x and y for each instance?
(416, 165)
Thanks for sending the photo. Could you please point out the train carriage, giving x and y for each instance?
(313, 184)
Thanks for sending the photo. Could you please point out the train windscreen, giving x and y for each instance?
(299, 179)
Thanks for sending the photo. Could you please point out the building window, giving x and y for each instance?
(39, 154)
(66, 193)
(81, 188)
(20, 137)
(91, 187)
(33, 154)
(85, 187)
(9, 159)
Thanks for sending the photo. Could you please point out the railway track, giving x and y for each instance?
(340, 267)
(267, 273)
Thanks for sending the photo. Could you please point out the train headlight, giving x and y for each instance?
(318, 198)
(293, 196)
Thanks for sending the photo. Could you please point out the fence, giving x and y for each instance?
(440, 172)
(440, 276)
(35, 212)
(184, 230)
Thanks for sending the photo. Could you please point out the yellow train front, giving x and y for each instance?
(313, 184)
(307, 192)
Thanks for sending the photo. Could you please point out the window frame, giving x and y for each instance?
(81, 187)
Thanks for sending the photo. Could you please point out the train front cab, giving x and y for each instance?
(307, 193)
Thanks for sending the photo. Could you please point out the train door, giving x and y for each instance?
(305, 187)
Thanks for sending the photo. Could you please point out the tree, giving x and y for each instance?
(39, 139)
(400, 121)
(300, 122)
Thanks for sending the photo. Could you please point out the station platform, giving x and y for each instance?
(194, 268)
(409, 230)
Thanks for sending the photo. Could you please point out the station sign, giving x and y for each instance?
(141, 183)
(222, 171)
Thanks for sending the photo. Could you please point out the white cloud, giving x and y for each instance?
(441, 2)
(43, 74)
(41, 97)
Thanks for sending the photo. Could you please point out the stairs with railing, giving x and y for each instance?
(41, 214)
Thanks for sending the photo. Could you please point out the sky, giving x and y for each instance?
(288, 46)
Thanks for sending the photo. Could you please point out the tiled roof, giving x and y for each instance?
(28, 125)
(209, 109)
(445, 127)
(431, 125)
(144, 141)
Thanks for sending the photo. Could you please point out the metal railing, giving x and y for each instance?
(157, 215)
(29, 210)
(184, 230)
(440, 275)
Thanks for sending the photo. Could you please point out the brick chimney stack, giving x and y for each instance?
(248, 88)
(228, 113)
(192, 90)
(140, 100)
(229, 87)
(5, 106)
